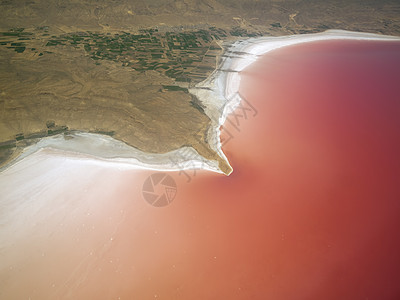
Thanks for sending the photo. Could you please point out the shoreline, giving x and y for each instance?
(107, 150)
(219, 94)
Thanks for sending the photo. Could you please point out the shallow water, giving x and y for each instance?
(311, 210)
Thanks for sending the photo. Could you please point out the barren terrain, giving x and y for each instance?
(123, 68)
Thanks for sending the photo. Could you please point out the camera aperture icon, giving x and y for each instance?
(159, 189)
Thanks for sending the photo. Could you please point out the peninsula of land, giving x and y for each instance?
(147, 76)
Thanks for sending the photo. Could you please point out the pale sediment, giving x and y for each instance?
(81, 145)
(219, 95)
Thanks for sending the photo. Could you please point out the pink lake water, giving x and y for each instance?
(311, 211)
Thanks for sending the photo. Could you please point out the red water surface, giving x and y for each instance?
(312, 209)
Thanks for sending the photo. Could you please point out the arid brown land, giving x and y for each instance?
(122, 68)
